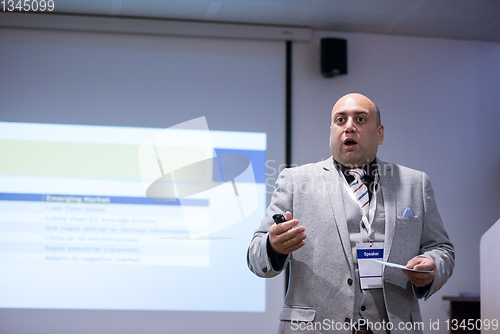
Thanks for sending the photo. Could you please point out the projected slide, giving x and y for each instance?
(79, 230)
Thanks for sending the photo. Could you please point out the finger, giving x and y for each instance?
(290, 234)
(412, 278)
(297, 246)
(288, 215)
(419, 279)
(413, 262)
(415, 275)
(294, 243)
(423, 267)
(284, 227)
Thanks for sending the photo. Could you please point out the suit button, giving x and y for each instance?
(347, 320)
(264, 269)
(349, 281)
(363, 308)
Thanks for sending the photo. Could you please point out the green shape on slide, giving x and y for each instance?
(91, 160)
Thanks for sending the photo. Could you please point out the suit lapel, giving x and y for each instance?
(387, 182)
(334, 185)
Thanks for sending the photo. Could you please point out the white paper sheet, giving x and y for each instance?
(395, 265)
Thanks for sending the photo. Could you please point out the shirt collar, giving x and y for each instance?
(371, 169)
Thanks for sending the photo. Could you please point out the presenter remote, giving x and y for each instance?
(279, 218)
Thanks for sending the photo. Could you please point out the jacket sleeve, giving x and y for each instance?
(435, 243)
(258, 259)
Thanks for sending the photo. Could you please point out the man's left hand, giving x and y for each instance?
(420, 263)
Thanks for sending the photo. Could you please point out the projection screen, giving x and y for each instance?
(83, 249)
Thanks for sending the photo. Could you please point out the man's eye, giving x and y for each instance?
(361, 119)
(340, 120)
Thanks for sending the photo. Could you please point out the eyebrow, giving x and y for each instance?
(343, 113)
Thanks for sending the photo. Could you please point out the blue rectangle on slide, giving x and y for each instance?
(87, 199)
(257, 158)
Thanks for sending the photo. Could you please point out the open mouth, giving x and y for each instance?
(349, 142)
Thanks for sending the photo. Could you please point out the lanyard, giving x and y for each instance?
(368, 221)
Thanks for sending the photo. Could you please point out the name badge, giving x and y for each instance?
(370, 272)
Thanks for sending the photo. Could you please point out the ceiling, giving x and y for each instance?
(456, 19)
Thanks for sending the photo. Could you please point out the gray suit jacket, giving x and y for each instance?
(320, 270)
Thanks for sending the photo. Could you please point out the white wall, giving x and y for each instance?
(440, 102)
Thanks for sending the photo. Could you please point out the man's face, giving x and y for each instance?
(355, 133)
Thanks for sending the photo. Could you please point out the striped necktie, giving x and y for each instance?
(360, 190)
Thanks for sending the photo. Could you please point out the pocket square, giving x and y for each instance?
(408, 213)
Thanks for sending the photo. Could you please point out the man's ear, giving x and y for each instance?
(380, 134)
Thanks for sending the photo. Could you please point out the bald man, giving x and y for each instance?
(343, 215)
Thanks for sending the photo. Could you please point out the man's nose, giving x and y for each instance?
(349, 125)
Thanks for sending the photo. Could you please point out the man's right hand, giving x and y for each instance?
(284, 239)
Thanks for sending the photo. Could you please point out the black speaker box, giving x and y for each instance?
(333, 57)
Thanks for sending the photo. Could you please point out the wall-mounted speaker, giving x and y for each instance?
(333, 57)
